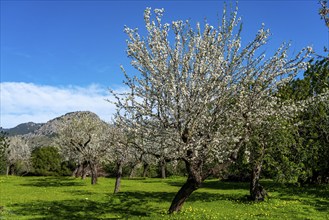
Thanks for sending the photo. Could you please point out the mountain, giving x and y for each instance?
(23, 129)
(50, 128)
(43, 134)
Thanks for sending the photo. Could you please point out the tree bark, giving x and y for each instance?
(84, 170)
(145, 169)
(192, 183)
(12, 169)
(163, 169)
(94, 174)
(133, 170)
(78, 171)
(118, 177)
(257, 191)
(196, 175)
(75, 171)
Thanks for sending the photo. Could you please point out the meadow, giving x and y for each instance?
(69, 198)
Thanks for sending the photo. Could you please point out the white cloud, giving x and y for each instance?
(24, 102)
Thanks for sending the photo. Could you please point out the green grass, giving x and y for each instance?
(68, 198)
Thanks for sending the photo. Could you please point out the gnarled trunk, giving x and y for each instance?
(145, 169)
(84, 170)
(257, 192)
(12, 169)
(192, 183)
(163, 169)
(78, 171)
(118, 177)
(94, 174)
(133, 170)
(187, 189)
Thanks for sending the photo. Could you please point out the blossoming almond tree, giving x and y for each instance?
(86, 136)
(120, 151)
(18, 151)
(200, 95)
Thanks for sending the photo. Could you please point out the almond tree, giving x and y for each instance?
(119, 151)
(18, 152)
(324, 11)
(126, 148)
(201, 95)
(86, 136)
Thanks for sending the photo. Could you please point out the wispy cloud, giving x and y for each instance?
(25, 102)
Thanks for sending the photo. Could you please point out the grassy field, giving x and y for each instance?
(68, 198)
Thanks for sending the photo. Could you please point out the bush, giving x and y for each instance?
(4, 144)
(46, 161)
(67, 168)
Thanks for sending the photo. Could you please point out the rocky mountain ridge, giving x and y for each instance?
(48, 128)
(23, 128)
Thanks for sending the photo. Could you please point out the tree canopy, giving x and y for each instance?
(202, 95)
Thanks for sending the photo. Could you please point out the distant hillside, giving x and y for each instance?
(50, 128)
(42, 134)
(23, 129)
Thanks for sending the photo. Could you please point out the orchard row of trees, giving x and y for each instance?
(83, 145)
(204, 98)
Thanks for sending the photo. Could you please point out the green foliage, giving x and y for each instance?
(110, 169)
(241, 169)
(314, 128)
(4, 144)
(67, 168)
(296, 150)
(46, 161)
(281, 161)
(307, 157)
(70, 198)
(318, 76)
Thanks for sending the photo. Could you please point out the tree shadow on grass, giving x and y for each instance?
(80, 192)
(65, 209)
(224, 185)
(215, 184)
(53, 182)
(135, 204)
(313, 195)
(320, 191)
(122, 205)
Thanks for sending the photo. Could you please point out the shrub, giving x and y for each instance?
(46, 161)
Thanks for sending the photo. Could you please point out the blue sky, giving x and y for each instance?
(61, 56)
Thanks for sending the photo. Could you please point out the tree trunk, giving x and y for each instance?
(192, 183)
(257, 192)
(12, 169)
(7, 170)
(77, 172)
(118, 177)
(145, 169)
(94, 175)
(84, 170)
(133, 170)
(163, 169)
(74, 173)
